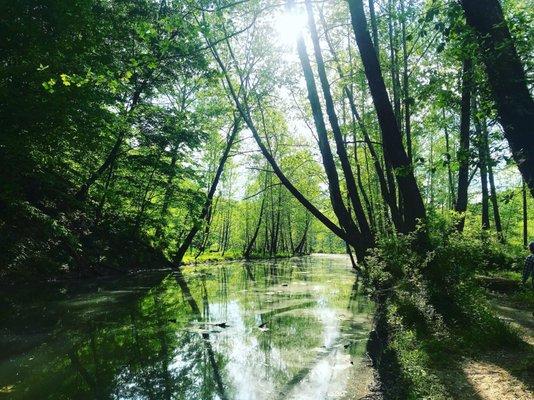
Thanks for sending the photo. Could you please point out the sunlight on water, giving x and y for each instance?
(295, 329)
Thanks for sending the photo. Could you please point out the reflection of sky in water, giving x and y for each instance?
(126, 343)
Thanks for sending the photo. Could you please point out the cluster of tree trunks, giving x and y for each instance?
(397, 182)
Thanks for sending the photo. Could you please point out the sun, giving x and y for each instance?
(289, 25)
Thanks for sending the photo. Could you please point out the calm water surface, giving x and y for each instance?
(292, 329)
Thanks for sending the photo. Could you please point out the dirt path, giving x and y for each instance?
(504, 375)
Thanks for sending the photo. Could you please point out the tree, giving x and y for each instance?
(507, 80)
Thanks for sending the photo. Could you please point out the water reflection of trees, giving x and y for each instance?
(143, 346)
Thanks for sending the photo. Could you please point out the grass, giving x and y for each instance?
(435, 313)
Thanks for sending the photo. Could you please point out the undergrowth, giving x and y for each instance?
(432, 311)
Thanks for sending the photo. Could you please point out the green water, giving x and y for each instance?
(292, 329)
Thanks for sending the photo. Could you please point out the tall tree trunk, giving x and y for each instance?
(463, 150)
(211, 192)
(493, 190)
(393, 64)
(507, 81)
(406, 85)
(452, 195)
(302, 242)
(391, 136)
(350, 181)
(525, 214)
(336, 197)
(483, 165)
(389, 197)
(374, 27)
(252, 241)
(290, 234)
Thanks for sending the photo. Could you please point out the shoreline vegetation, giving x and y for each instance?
(147, 134)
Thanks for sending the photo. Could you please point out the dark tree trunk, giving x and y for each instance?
(391, 136)
(374, 27)
(209, 198)
(388, 196)
(507, 81)
(483, 165)
(302, 243)
(350, 181)
(525, 215)
(491, 179)
(452, 195)
(252, 241)
(463, 150)
(393, 62)
(406, 85)
(290, 234)
(336, 197)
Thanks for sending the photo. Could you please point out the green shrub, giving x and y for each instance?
(435, 309)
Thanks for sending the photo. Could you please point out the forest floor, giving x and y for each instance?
(498, 374)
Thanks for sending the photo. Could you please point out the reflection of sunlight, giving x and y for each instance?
(289, 25)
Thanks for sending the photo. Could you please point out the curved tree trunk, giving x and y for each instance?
(350, 181)
(394, 151)
(209, 197)
(507, 81)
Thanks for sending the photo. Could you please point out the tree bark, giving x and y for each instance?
(525, 214)
(209, 197)
(483, 166)
(391, 136)
(463, 150)
(374, 27)
(507, 81)
(388, 197)
(491, 179)
(245, 114)
(350, 181)
(452, 195)
(336, 198)
(406, 85)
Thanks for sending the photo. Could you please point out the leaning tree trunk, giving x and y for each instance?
(389, 197)
(244, 110)
(336, 198)
(391, 136)
(209, 198)
(463, 151)
(350, 181)
(406, 84)
(507, 81)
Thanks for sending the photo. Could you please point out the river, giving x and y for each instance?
(291, 329)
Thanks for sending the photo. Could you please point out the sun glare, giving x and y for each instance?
(289, 25)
